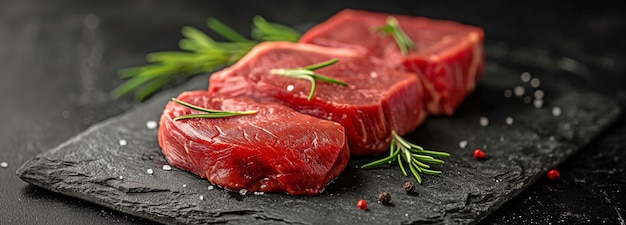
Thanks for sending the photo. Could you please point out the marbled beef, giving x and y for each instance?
(275, 150)
(448, 54)
(376, 101)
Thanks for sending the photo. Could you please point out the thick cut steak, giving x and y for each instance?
(275, 150)
(448, 54)
(376, 101)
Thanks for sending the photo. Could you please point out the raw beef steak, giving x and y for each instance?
(376, 101)
(275, 150)
(448, 54)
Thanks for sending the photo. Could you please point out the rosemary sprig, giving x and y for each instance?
(199, 54)
(416, 157)
(393, 27)
(209, 113)
(307, 73)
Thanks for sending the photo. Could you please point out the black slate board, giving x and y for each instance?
(94, 165)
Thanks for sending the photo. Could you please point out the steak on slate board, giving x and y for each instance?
(274, 150)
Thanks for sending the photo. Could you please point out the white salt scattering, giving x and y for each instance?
(539, 94)
(265, 185)
(290, 87)
(508, 93)
(527, 99)
(525, 76)
(483, 121)
(201, 197)
(184, 185)
(501, 138)
(538, 103)
(150, 171)
(123, 142)
(551, 138)
(508, 120)
(151, 124)
(243, 192)
(462, 143)
(210, 187)
(519, 91)
(121, 178)
(556, 111)
(259, 193)
(4, 164)
(535, 82)
(406, 214)
(373, 74)
(167, 167)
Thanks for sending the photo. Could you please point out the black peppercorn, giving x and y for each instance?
(409, 187)
(384, 198)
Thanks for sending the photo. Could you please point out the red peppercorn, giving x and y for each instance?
(554, 175)
(479, 154)
(362, 204)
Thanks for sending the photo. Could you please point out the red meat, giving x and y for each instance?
(448, 54)
(275, 150)
(376, 101)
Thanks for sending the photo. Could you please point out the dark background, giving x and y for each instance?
(58, 63)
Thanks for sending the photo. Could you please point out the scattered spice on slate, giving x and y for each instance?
(508, 93)
(479, 154)
(167, 167)
(535, 82)
(151, 124)
(527, 99)
(556, 111)
(525, 77)
(519, 91)
(150, 171)
(538, 103)
(509, 120)
(539, 94)
(483, 121)
(462, 143)
(362, 204)
(384, 198)
(409, 187)
(554, 175)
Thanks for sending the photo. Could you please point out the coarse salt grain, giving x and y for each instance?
(150, 171)
(184, 185)
(538, 103)
(290, 87)
(243, 192)
(259, 193)
(535, 82)
(509, 120)
(508, 93)
(525, 77)
(4, 164)
(121, 178)
(519, 91)
(123, 142)
(201, 197)
(501, 138)
(483, 121)
(556, 111)
(210, 187)
(539, 94)
(167, 167)
(151, 124)
(462, 143)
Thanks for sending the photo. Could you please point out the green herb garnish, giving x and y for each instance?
(416, 157)
(393, 28)
(199, 54)
(209, 113)
(307, 73)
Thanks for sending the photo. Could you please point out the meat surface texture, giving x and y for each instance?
(275, 150)
(448, 54)
(376, 101)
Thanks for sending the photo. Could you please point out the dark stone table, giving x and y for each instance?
(58, 63)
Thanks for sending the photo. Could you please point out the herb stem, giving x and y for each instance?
(209, 113)
(402, 39)
(416, 157)
(307, 73)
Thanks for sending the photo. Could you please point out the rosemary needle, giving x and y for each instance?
(416, 157)
(209, 113)
(393, 27)
(307, 73)
(198, 54)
